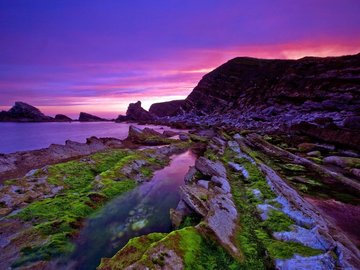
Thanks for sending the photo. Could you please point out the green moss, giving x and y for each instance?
(56, 245)
(198, 252)
(197, 138)
(286, 250)
(293, 167)
(147, 172)
(254, 236)
(113, 188)
(209, 154)
(60, 217)
(316, 160)
(277, 221)
(131, 253)
(10, 182)
(190, 220)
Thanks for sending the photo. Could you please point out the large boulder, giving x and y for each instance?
(86, 117)
(136, 113)
(23, 112)
(168, 108)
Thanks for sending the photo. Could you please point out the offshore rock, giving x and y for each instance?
(86, 117)
(62, 118)
(23, 112)
(136, 113)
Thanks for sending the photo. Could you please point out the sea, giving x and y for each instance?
(16, 137)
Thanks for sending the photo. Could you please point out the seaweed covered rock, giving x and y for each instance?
(147, 136)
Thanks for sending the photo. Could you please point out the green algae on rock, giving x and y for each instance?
(86, 184)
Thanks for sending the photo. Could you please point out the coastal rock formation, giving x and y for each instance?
(168, 108)
(17, 164)
(22, 112)
(86, 117)
(135, 113)
(62, 118)
(146, 136)
(272, 94)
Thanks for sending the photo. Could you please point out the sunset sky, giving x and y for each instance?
(67, 56)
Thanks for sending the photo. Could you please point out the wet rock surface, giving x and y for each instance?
(43, 211)
(19, 163)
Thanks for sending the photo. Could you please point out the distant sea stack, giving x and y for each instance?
(22, 112)
(136, 113)
(62, 118)
(86, 117)
(168, 108)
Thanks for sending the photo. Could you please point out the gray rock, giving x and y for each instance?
(257, 193)
(210, 168)
(320, 262)
(223, 182)
(222, 219)
(234, 146)
(218, 141)
(203, 183)
(190, 175)
(238, 168)
(342, 161)
(310, 238)
(264, 210)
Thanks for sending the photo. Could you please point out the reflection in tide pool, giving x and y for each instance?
(141, 211)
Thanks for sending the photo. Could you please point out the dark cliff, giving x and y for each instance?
(244, 83)
(168, 108)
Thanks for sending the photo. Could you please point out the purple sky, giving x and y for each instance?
(67, 56)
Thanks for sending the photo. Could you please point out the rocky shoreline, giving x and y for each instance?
(251, 203)
(42, 211)
(276, 183)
